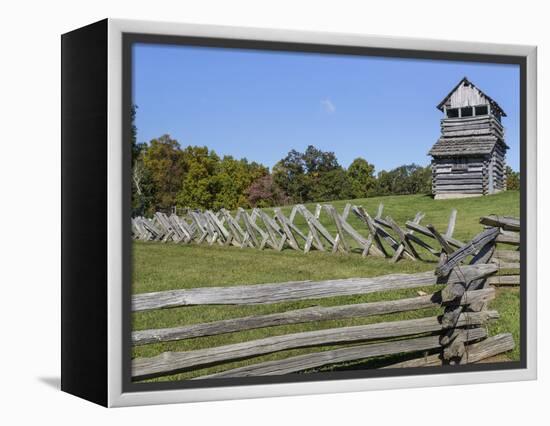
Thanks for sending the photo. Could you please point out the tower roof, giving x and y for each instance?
(466, 83)
(464, 146)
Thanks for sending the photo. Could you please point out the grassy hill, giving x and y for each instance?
(158, 267)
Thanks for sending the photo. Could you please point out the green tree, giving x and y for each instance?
(231, 181)
(198, 188)
(512, 179)
(332, 185)
(301, 175)
(421, 180)
(361, 178)
(406, 179)
(163, 161)
(317, 162)
(289, 174)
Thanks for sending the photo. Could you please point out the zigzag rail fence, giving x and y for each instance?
(466, 273)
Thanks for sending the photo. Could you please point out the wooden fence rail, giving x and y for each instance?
(301, 290)
(316, 313)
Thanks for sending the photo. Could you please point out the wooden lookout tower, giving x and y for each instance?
(468, 159)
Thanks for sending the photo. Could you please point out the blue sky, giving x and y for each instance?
(259, 104)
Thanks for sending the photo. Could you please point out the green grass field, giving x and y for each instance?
(158, 267)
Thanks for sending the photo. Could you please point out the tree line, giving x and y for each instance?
(165, 175)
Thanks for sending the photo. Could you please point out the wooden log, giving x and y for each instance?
(284, 223)
(362, 241)
(451, 225)
(403, 239)
(339, 227)
(460, 191)
(314, 219)
(505, 222)
(319, 359)
(507, 237)
(476, 352)
(248, 227)
(504, 280)
(472, 247)
(364, 216)
(410, 235)
(172, 362)
(313, 237)
(303, 290)
(455, 175)
(487, 348)
(456, 348)
(507, 255)
(505, 265)
(425, 231)
(468, 132)
(441, 239)
(457, 185)
(442, 181)
(316, 313)
(277, 240)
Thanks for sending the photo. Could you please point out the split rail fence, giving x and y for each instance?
(258, 229)
(465, 272)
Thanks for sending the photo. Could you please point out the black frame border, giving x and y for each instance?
(129, 39)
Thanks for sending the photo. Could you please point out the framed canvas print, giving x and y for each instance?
(251, 212)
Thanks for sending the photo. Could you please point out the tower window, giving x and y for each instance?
(467, 111)
(482, 110)
(452, 112)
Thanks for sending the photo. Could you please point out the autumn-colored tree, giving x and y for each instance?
(264, 192)
(163, 160)
(232, 179)
(512, 179)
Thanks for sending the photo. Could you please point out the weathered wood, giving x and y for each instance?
(319, 359)
(283, 222)
(172, 362)
(505, 265)
(339, 227)
(507, 237)
(507, 255)
(364, 216)
(284, 292)
(425, 231)
(413, 255)
(476, 352)
(314, 219)
(504, 280)
(445, 246)
(472, 247)
(423, 244)
(313, 237)
(487, 348)
(316, 313)
(451, 225)
(456, 348)
(505, 222)
(462, 187)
